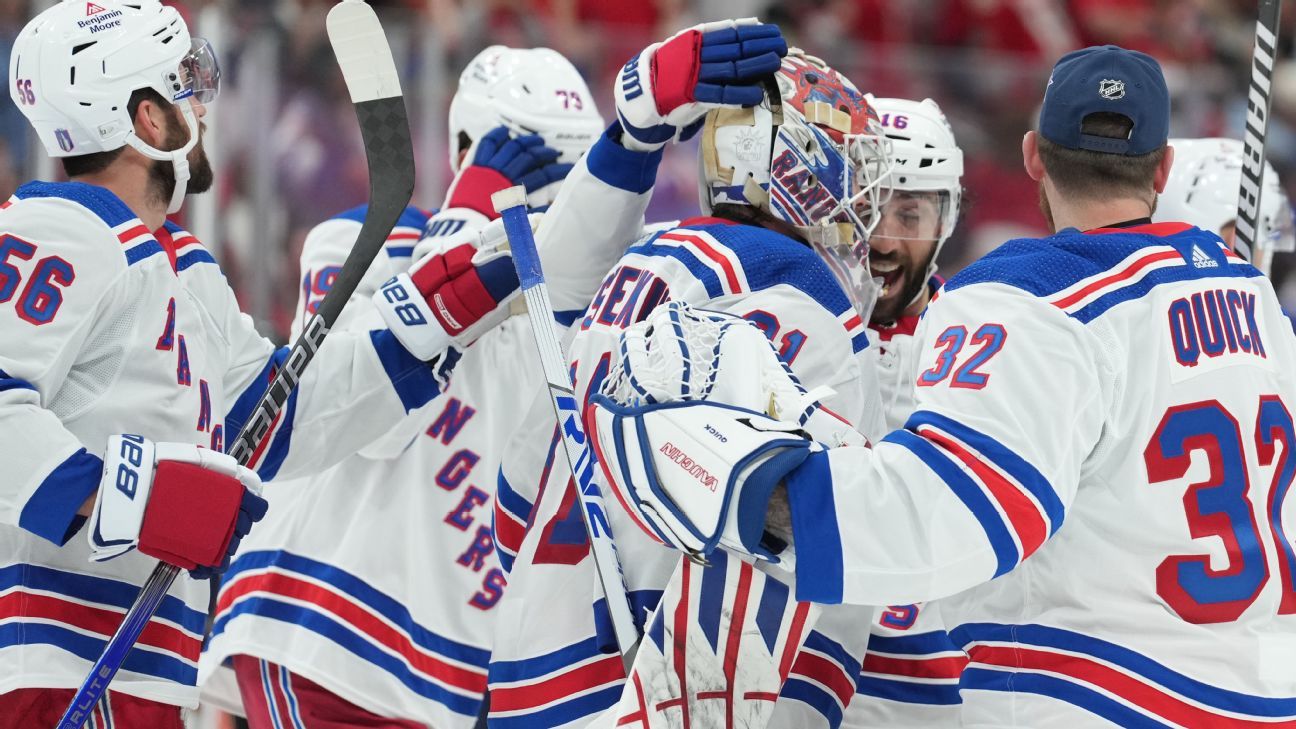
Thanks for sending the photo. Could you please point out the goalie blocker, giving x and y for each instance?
(695, 474)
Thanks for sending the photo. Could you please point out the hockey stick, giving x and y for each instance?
(1253, 144)
(511, 205)
(370, 72)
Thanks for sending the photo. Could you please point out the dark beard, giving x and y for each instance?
(914, 283)
(162, 179)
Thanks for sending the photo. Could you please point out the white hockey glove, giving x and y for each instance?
(696, 425)
(451, 296)
(664, 91)
(182, 504)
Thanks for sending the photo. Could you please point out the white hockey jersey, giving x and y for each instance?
(911, 671)
(110, 328)
(379, 579)
(1094, 483)
(556, 665)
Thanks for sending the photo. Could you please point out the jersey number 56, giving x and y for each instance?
(41, 297)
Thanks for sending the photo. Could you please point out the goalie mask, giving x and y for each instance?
(814, 157)
(1203, 191)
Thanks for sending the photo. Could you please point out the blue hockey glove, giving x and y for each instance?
(498, 162)
(663, 92)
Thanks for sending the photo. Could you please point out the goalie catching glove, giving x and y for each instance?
(185, 505)
(663, 92)
(697, 424)
(452, 296)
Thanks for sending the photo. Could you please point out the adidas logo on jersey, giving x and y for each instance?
(1201, 260)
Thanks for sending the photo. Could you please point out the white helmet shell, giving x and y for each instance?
(73, 69)
(1203, 190)
(529, 90)
(924, 152)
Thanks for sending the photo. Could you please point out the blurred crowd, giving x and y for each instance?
(288, 152)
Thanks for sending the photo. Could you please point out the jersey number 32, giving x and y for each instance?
(1220, 506)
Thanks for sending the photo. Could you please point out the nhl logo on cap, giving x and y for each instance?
(1111, 89)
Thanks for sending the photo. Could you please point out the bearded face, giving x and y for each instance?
(162, 174)
(901, 250)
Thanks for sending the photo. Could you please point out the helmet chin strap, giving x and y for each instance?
(178, 158)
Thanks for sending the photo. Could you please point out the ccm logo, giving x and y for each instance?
(718, 435)
(681, 459)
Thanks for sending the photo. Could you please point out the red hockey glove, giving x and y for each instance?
(185, 505)
(451, 297)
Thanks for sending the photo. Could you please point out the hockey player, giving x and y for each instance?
(782, 244)
(1203, 191)
(403, 530)
(126, 366)
(1103, 425)
(910, 673)
(394, 531)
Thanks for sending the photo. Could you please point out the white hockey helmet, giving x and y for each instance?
(812, 155)
(926, 159)
(1203, 190)
(529, 90)
(75, 66)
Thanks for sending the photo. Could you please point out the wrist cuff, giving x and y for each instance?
(473, 187)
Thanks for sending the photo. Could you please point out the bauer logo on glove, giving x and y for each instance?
(452, 296)
(185, 505)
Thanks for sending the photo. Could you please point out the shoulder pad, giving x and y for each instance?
(732, 259)
(101, 202)
(128, 239)
(409, 228)
(1085, 274)
(411, 217)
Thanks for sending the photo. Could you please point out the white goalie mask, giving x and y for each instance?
(812, 156)
(530, 91)
(74, 67)
(1203, 191)
(926, 178)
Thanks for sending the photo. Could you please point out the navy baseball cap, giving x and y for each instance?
(1110, 79)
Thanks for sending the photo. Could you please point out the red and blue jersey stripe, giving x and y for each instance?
(729, 259)
(509, 521)
(77, 613)
(1085, 275)
(823, 677)
(1012, 500)
(1108, 680)
(923, 668)
(366, 622)
(557, 687)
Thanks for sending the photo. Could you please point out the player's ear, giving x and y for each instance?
(151, 121)
(1031, 157)
(1163, 170)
